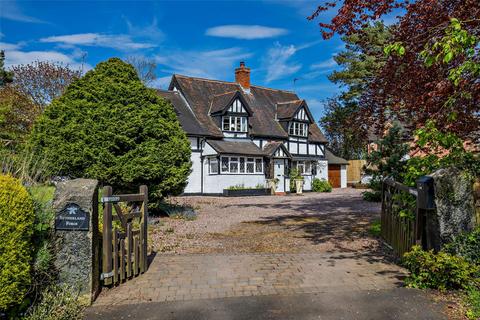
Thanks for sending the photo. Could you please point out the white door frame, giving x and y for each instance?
(279, 173)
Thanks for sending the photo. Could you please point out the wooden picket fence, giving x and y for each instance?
(398, 228)
(124, 235)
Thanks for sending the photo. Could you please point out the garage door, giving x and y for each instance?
(334, 175)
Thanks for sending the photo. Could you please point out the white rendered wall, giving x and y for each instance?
(307, 183)
(195, 177)
(215, 183)
(343, 176)
(193, 143)
(311, 148)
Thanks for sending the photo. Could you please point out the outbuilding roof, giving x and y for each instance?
(333, 159)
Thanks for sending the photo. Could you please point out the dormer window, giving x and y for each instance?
(234, 123)
(298, 129)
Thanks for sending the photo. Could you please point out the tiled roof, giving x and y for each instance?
(246, 147)
(204, 95)
(286, 110)
(333, 159)
(187, 119)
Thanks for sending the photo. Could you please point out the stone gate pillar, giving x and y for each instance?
(77, 236)
(455, 207)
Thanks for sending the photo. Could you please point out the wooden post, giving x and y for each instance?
(129, 249)
(122, 260)
(115, 256)
(144, 190)
(107, 236)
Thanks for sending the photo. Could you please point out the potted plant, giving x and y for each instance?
(296, 181)
(272, 184)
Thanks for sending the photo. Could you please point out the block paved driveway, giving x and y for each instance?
(340, 274)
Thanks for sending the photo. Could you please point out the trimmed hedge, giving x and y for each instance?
(16, 228)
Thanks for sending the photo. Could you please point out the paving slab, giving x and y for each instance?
(399, 303)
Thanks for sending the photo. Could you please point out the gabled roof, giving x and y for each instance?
(221, 102)
(287, 110)
(187, 119)
(200, 94)
(245, 147)
(271, 147)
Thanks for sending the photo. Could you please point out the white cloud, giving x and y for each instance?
(277, 63)
(9, 10)
(213, 64)
(327, 64)
(150, 31)
(14, 55)
(122, 42)
(246, 32)
(9, 46)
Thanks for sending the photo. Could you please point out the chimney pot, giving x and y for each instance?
(242, 76)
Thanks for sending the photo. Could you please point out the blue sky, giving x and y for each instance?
(205, 39)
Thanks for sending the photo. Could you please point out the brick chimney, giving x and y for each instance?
(242, 76)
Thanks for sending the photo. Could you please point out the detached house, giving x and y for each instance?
(243, 134)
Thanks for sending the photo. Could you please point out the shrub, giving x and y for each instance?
(372, 196)
(294, 175)
(438, 271)
(57, 303)
(321, 185)
(109, 126)
(472, 300)
(375, 228)
(466, 245)
(16, 228)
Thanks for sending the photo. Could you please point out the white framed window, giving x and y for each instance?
(213, 166)
(258, 165)
(241, 165)
(250, 165)
(298, 129)
(234, 123)
(303, 167)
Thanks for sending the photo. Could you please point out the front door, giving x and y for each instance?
(279, 173)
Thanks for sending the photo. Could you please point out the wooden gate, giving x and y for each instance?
(404, 214)
(124, 235)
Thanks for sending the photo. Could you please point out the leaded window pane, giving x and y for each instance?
(250, 166)
(242, 165)
(226, 123)
(258, 165)
(224, 164)
(213, 165)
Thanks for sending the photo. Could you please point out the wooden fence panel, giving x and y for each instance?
(354, 170)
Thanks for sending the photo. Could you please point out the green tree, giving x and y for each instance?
(389, 160)
(361, 60)
(109, 126)
(5, 76)
(346, 137)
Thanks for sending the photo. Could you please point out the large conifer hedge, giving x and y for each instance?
(109, 126)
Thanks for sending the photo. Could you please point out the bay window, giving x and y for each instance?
(242, 165)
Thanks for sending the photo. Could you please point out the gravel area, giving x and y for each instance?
(313, 222)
